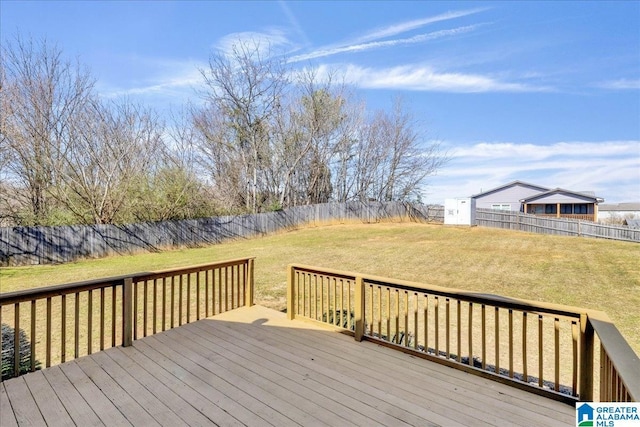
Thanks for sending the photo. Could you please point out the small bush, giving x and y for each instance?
(340, 318)
(7, 357)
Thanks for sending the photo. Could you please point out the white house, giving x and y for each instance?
(611, 213)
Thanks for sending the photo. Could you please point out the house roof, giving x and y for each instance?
(633, 223)
(583, 195)
(587, 193)
(634, 206)
(511, 184)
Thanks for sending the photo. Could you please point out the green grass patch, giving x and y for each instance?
(591, 273)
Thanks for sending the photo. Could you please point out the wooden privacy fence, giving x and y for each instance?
(545, 348)
(558, 226)
(67, 321)
(47, 245)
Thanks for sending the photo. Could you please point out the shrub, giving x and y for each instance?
(7, 357)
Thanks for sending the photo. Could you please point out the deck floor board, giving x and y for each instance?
(335, 374)
(279, 386)
(248, 391)
(93, 394)
(144, 397)
(7, 417)
(24, 406)
(314, 395)
(379, 380)
(77, 408)
(47, 400)
(337, 388)
(147, 376)
(194, 397)
(372, 378)
(252, 366)
(475, 399)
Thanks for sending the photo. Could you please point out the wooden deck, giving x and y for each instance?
(252, 366)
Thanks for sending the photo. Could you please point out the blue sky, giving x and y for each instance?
(544, 92)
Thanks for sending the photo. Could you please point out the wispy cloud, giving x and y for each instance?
(374, 39)
(293, 21)
(426, 78)
(176, 81)
(610, 168)
(528, 152)
(403, 27)
(359, 47)
(272, 40)
(621, 84)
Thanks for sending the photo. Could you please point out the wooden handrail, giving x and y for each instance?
(398, 313)
(624, 360)
(129, 300)
(16, 297)
(7, 298)
(495, 300)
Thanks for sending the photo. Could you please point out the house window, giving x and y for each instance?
(566, 209)
(501, 207)
(580, 209)
(550, 209)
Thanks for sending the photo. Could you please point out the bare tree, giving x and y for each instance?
(394, 160)
(40, 94)
(310, 141)
(320, 119)
(173, 189)
(219, 159)
(6, 209)
(111, 151)
(348, 150)
(384, 158)
(247, 84)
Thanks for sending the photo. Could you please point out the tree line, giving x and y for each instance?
(262, 136)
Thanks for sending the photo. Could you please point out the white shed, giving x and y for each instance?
(460, 211)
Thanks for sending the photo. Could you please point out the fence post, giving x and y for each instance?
(359, 308)
(291, 292)
(248, 296)
(586, 359)
(127, 312)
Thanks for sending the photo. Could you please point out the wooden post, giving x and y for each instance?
(557, 210)
(48, 339)
(127, 312)
(16, 340)
(586, 359)
(291, 293)
(359, 308)
(248, 296)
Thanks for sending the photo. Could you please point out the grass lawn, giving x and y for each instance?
(598, 274)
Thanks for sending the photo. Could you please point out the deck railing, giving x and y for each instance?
(544, 348)
(67, 321)
(585, 217)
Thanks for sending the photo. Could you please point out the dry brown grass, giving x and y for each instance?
(597, 274)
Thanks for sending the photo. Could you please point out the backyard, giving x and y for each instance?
(597, 274)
